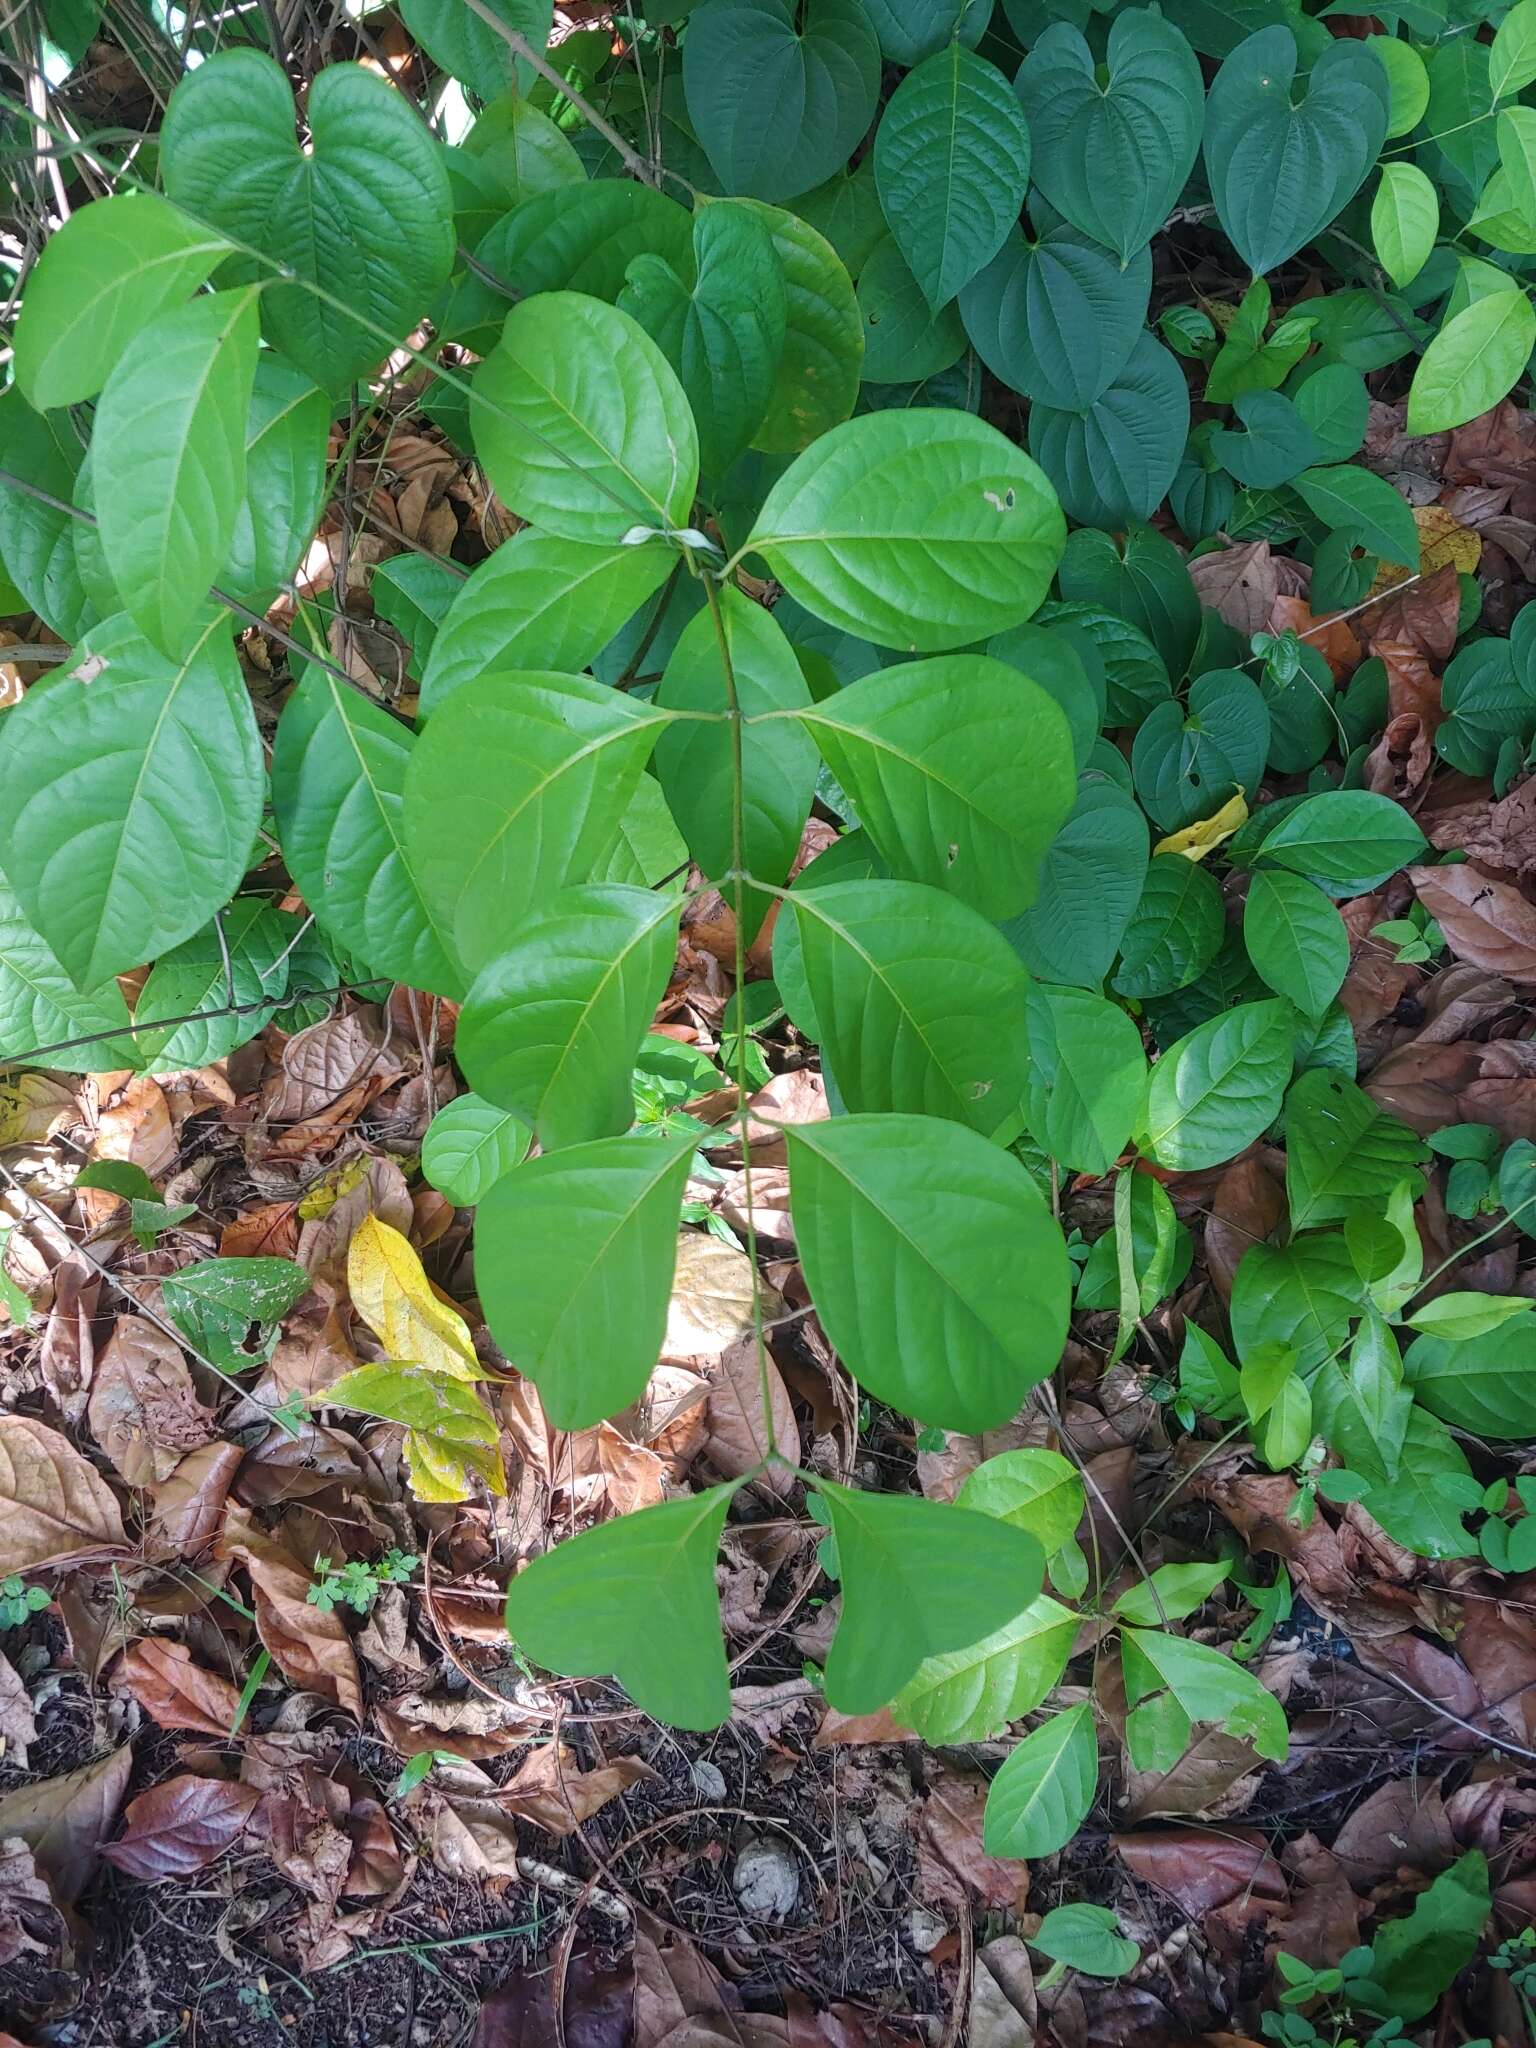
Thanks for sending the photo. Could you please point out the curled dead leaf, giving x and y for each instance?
(143, 1410)
(53, 1502)
(1485, 921)
(175, 1691)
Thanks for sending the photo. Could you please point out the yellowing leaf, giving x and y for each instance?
(327, 1192)
(1443, 538)
(1196, 841)
(451, 1436)
(394, 1298)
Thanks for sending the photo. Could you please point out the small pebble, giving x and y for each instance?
(765, 1880)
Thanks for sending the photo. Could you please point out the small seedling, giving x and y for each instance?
(357, 1583)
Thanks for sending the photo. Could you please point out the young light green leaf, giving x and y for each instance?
(552, 1023)
(1459, 1317)
(1473, 362)
(961, 771)
(1087, 1077)
(1036, 1490)
(1172, 1683)
(818, 374)
(1486, 1384)
(338, 791)
(468, 1146)
(517, 787)
(1361, 1406)
(919, 1580)
(151, 770)
(1405, 218)
(1296, 939)
(952, 166)
(972, 1694)
(111, 270)
(1171, 1592)
(919, 530)
(935, 1265)
(1512, 60)
(576, 1254)
(581, 423)
(918, 1002)
(635, 1597)
(1041, 1796)
(1086, 1938)
(1219, 1087)
(168, 457)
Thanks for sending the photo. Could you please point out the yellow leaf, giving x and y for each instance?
(446, 1471)
(1443, 538)
(394, 1298)
(1196, 841)
(327, 1192)
(451, 1436)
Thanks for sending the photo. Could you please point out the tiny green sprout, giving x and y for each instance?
(357, 1584)
(19, 1601)
(418, 1768)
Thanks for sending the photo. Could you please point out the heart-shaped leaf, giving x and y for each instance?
(1114, 158)
(363, 221)
(1113, 462)
(1057, 318)
(469, 49)
(818, 375)
(1282, 163)
(1189, 760)
(635, 1598)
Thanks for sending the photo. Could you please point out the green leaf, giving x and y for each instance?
(919, 530)
(1087, 1079)
(540, 601)
(581, 423)
(780, 99)
(649, 848)
(1473, 362)
(1352, 501)
(972, 1694)
(1362, 1407)
(910, 30)
(635, 1597)
(1456, 1318)
(1345, 840)
(119, 1177)
(1405, 219)
(285, 478)
(1085, 1938)
(1041, 1796)
(1207, 1376)
(1343, 1155)
(1415, 1508)
(724, 336)
(1141, 577)
(1114, 157)
(1219, 1087)
(153, 769)
(818, 376)
(215, 1302)
(1512, 60)
(469, 49)
(37, 538)
(575, 1255)
(904, 340)
(919, 1579)
(1089, 888)
(1176, 932)
(362, 219)
(1035, 1490)
(1283, 163)
(40, 1004)
(1057, 318)
(1171, 1682)
(574, 238)
(1486, 1384)
(1418, 1958)
(338, 787)
(846, 213)
(1178, 1588)
(517, 787)
(553, 1021)
(935, 1265)
(1296, 940)
(1304, 1297)
(952, 167)
(961, 771)
(239, 958)
(918, 1002)
(110, 271)
(521, 151)
(468, 1147)
(1189, 761)
(1276, 447)
(168, 457)
(1336, 406)
(1407, 80)
(1112, 463)
(697, 761)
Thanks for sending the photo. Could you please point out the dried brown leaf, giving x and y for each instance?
(174, 1691)
(309, 1646)
(53, 1503)
(18, 1723)
(188, 1506)
(1239, 584)
(30, 1921)
(65, 1820)
(1497, 1643)
(181, 1825)
(597, 2008)
(143, 1410)
(552, 1792)
(1199, 1868)
(738, 1433)
(1484, 921)
(949, 1845)
(1248, 1208)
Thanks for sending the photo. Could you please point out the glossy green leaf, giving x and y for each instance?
(1284, 161)
(1057, 318)
(468, 1147)
(846, 212)
(239, 958)
(961, 771)
(1365, 507)
(168, 456)
(1336, 406)
(1303, 1296)
(956, 1328)
(363, 219)
(1090, 885)
(1276, 446)
(1172, 1682)
(517, 787)
(910, 30)
(1346, 840)
(1177, 930)
(1112, 463)
(151, 769)
(1114, 157)
(1189, 760)
(1361, 1405)
(40, 1005)
(581, 423)
(338, 791)
(109, 271)
(1405, 219)
(469, 49)
(635, 1598)
(1473, 362)
(552, 1023)
(1512, 60)
(1085, 1938)
(1416, 1509)
(38, 543)
(1459, 1317)
(919, 1579)
(1169, 1593)
(918, 530)
(1486, 1384)
(1087, 1078)
(952, 166)
(1219, 1087)
(575, 1256)
(780, 98)
(972, 1694)
(919, 1003)
(1296, 940)
(1041, 1796)
(572, 238)
(1036, 1490)
(1407, 82)
(818, 374)
(285, 478)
